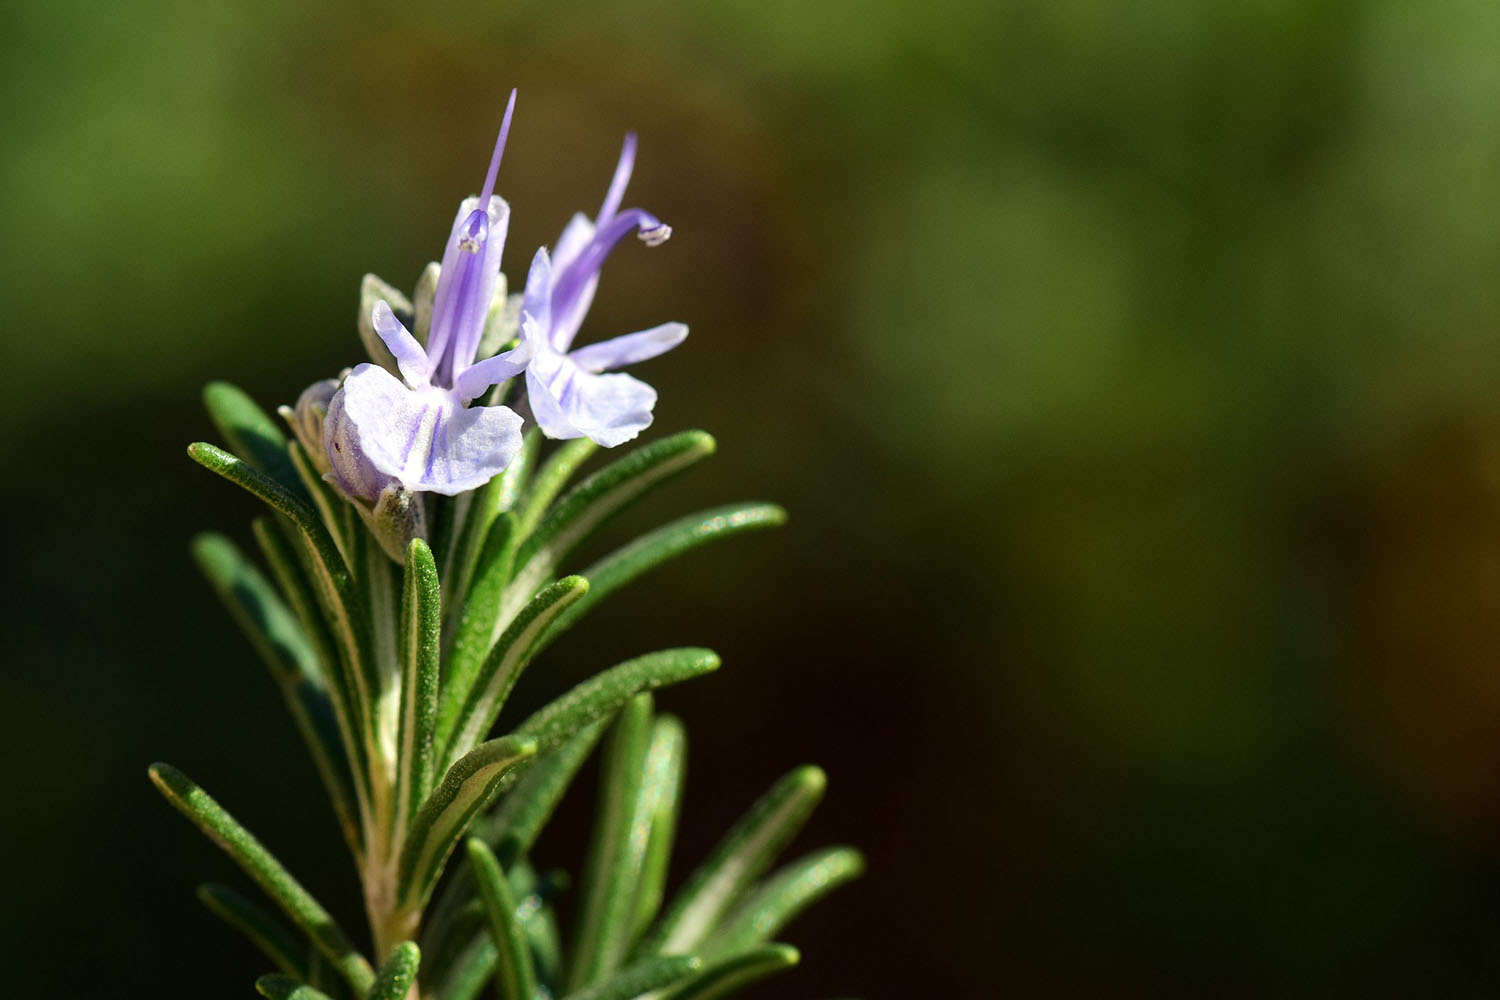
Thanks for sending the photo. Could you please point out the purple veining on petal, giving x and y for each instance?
(470, 270)
(418, 431)
(569, 394)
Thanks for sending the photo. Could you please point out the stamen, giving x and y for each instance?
(616, 192)
(655, 236)
(475, 230)
(489, 178)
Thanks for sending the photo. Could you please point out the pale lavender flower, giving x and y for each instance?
(419, 430)
(569, 395)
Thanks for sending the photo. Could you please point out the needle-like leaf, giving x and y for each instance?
(337, 594)
(644, 554)
(421, 628)
(513, 827)
(475, 632)
(783, 896)
(604, 493)
(744, 853)
(550, 479)
(469, 786)
(292, 580)
(257, 862)
(472, 972)
(641, 978)
(256, 607)
(616, 850)
(733, 973)
(251, 433)
(277, 987)
(661, 790)
(273, 940)
(467, 715)
(604, 692)
(278, 637)
(514, 975)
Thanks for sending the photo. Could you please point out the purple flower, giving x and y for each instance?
(569, 394)
(419, 430)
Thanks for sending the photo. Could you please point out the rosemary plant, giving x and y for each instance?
(417, 553)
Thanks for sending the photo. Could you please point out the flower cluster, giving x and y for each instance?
(386, 438)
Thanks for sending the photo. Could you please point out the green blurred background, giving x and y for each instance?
(1129, 370)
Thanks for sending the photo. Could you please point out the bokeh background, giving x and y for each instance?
(1129, 369)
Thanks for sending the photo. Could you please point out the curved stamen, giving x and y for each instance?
(571, 282)
(655, 236)
(616, 192)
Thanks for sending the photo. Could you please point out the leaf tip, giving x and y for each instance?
(275, 986)
(220, 390)
(811, 780)
(702, 442)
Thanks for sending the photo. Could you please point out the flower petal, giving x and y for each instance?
(466, 285)
(472, 381)
(569, 402)
(575, 236)
(536, 298)
(630, 348)
(423, 437)
(409, 355)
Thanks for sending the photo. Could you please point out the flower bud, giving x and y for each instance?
(306, 419)
(348, 467)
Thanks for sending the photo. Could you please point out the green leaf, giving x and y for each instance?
(651, 550)
(276, 987)
(273, 940)
(481, 608)
(744, 853)
(514, 975)
(397, 975)
(276, 634)
(784, 895)
(616, 850)
(421, 632)
(604, 493)
(244, 475)
(452, 936)
(339, 517)
(248, 852)
(251, 433)
(471, 972)
(469, 786)
(661, 791)
(343, 615)
(732, 974)
(336, 591)
(462, 724)
(513, 827)
(604, 692)
(546, 942)
(517, 474)
(296, 588)
(478, 517)
(642, 977)
(550, 479)
(256, 607)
